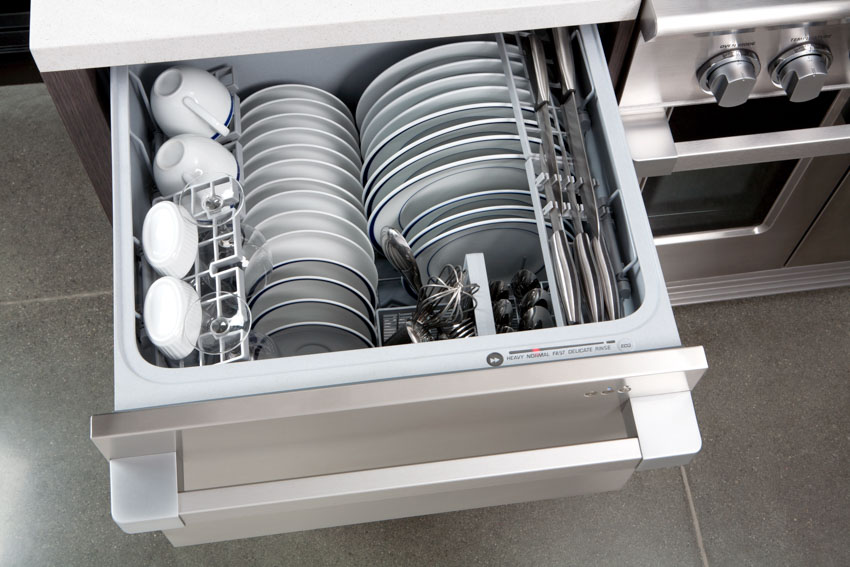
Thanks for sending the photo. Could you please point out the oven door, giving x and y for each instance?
(732, 190)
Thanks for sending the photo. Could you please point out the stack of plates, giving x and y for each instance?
(443, 162)
(303, 193)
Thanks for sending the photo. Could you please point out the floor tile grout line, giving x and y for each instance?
(694, 518)
(82, 295)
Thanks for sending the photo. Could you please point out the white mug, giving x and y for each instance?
(187, 100)
(188, 158)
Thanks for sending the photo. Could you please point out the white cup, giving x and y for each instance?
(169, 239)
(188, 158)
(172, 316)
(186, 100)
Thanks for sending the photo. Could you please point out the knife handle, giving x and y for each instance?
(583, 249)
(541, 74)
(564, 276)
(566, 63)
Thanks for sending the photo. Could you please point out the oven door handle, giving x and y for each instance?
(655, 153)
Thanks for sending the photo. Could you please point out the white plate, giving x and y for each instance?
(460, 97)
(315, 338)
(310, 310)
(323, 269)
(269, 94)
(301, 151)
(282, 136)
(467, 217)
(379, 117)
(292, 289)
(292, 221)
(316, 245)
(450, 152)
(448, 181)
(287, 184)
(305, 200)
(441, 71)
(310, 169)
(508, 245)
(427, 125)
(433, 212)
(298, 106)
(427, 58)
(298, 120)
(454, 131)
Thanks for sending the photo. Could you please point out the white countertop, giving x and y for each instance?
(101, 33)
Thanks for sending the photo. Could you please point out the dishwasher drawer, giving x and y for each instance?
(215, 452)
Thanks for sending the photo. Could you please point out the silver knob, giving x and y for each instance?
(801, 71)
(730, 76)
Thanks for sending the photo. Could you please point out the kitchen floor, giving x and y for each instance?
(770, 487)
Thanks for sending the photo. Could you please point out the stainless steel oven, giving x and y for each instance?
(736, 116)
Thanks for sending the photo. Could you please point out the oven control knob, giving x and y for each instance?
(801, 71)
(730, 76)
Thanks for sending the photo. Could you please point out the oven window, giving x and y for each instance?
(710, 199)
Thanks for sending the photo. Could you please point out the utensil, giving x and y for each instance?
(503, 312)
(575, 138)
(410, 332)
(499, 290)
(398, 252)
(522, 282)
(504, 329)
(533, 298)
(536, 318)
(189, 158)
(188, 100)
(560, 250)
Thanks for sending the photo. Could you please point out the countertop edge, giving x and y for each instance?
(54, 53)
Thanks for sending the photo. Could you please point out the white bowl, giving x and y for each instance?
(172, 316)
(188, 158)
(169, 239)
(187, 100)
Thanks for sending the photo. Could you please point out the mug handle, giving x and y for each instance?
(204, 115)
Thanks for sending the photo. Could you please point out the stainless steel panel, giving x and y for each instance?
(674, 17)
(765, 282)
(663, 71)
(438, 417)
(754, 248)
(362, 496)
(828, 240)
(654, 152)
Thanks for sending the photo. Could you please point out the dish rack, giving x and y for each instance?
(144, 378)
(216, 207)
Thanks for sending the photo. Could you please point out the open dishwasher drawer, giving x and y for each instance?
(224, 451)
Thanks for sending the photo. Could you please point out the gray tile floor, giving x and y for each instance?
(770, 487)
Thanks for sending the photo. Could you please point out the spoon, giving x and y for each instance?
(535, 297)
(502, 312)
(535, 318)
(401, 257)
